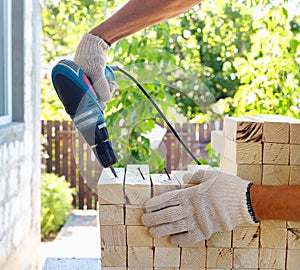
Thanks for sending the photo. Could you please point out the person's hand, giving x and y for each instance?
(218, 203)
(90, 56)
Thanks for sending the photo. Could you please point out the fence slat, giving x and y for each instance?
(57, 148)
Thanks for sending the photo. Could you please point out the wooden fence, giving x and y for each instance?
(70, 156)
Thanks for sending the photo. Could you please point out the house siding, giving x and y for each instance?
(20, 152)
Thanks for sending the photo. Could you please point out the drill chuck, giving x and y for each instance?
(80, 101)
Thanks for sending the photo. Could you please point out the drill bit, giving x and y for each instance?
(113, 171)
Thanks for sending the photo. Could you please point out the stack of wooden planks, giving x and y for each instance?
(125, 242)
(264, 149)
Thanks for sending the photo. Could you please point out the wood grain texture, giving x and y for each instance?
(110, 188)
(276, 175)
(295, 154)
(272, 258)
(138, 236)
(250, 172)
(293, 259)
(137, 186)
(193, 257)
(166, 257)
(266, 245)
(273, 238)
(219, 257)
(293, 224)
(161, 183)
(111, 214)
(246, 237)
(293, 238)
(276, 129)
(239, 152)
(133, 214)
(140, 257)
(245, 258)
(113, 256)
(243, 129)
(295, 131)
(265, 224)
(113, 235)
(276, 153)
(294, 175)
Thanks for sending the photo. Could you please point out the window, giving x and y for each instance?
(5, 63)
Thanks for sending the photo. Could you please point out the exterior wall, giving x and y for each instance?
(20, 147)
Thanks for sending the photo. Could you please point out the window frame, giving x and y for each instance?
(7, 42)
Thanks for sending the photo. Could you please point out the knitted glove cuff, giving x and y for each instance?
(235, 199)
(91, 43)
(249, 205)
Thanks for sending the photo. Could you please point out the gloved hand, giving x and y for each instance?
(91, 58)
(219, 203)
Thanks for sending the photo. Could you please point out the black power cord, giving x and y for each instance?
(159, 111)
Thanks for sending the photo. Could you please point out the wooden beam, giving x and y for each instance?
(270, 258)
(295, 154)
(111, 214)
(293, 224)
(245, 258)
(276, 175)
(218, 141)
(113, 235)
(273, 237)
(193, 257)
(140, 257)
(110, 188)
(138, 236)
(293, 259)
(219, 257)
(161, 183)
(137, 184)
(250, 172)
(276, 129)
(294, 175)
(237, 152)
(276, 153)
(246, 237)
(243, 129)
(295, 131)
(113, 256)
(133, 214)
(272, 224)
(166, 257)
(293, 239)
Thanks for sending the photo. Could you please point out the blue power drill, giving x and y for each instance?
(77, 95)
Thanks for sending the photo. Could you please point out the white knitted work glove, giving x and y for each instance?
(91, 58)
(219, 203)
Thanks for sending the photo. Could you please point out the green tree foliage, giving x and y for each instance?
(270, 72)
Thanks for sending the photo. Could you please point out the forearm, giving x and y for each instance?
(139, 14)
(275, 202)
